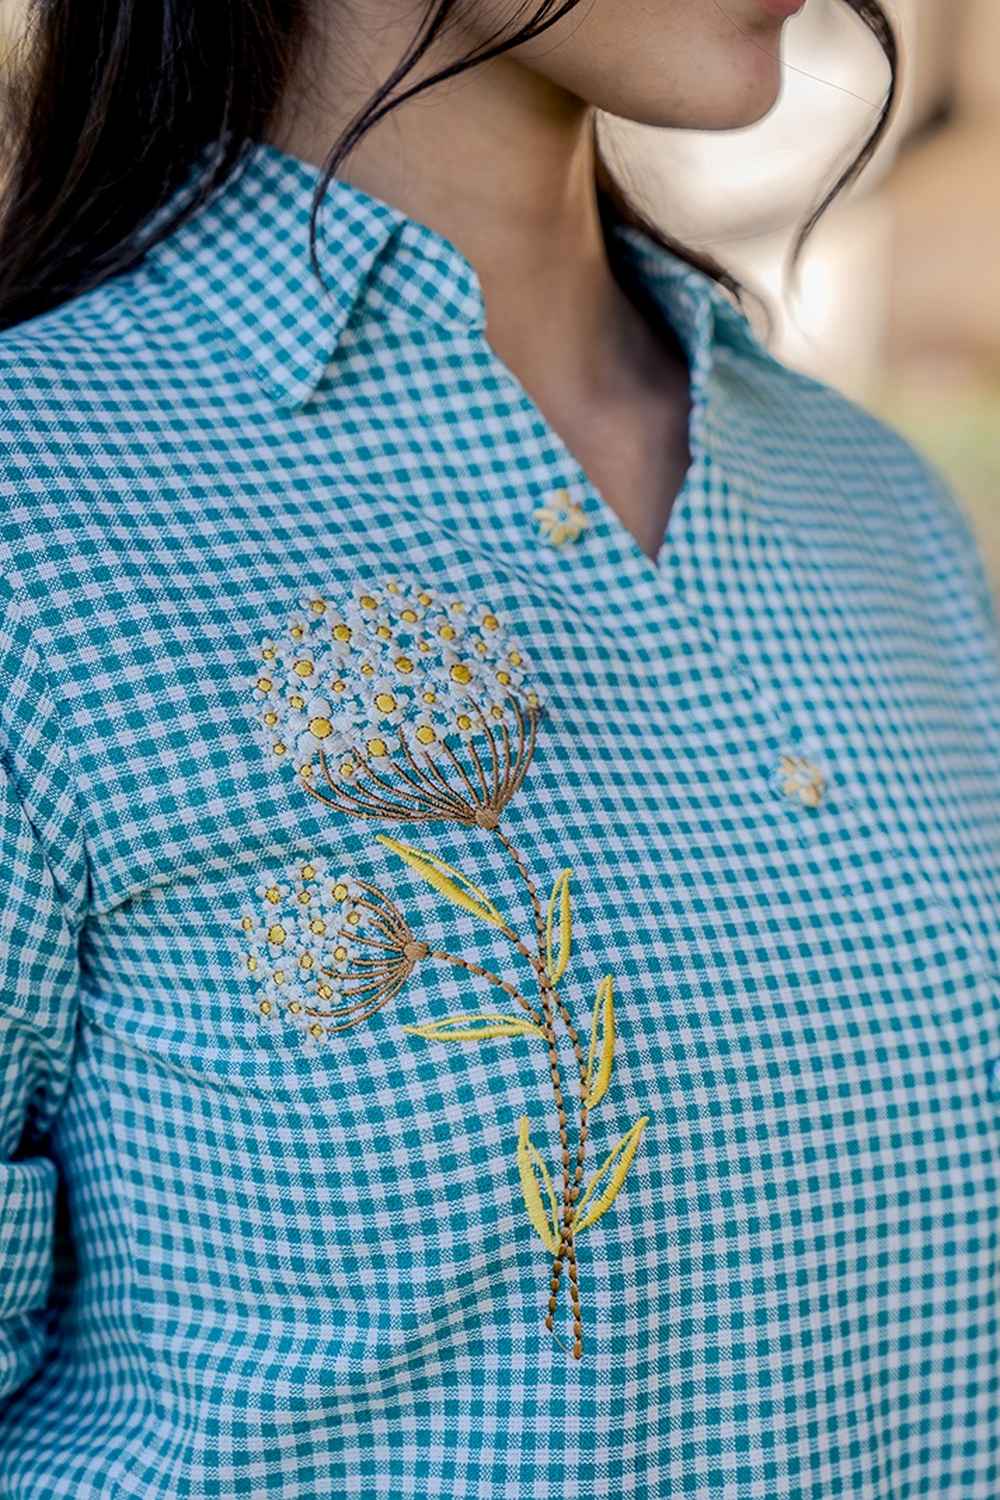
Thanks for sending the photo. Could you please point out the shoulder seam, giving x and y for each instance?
(35, 664)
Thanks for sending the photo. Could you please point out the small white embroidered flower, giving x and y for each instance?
(801, 778)
(378, 749)
(340, 640)
(388, 700)
(428, 736)
(272, 891)
(463, 680)
(407, 605)
(298, 628)
(446, 635)
(561, 519)
(312, 603)
(468, 723)
(368, 613)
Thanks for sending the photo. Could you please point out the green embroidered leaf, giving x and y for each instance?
(450, 882)
(477, 1026)
(607, 1182)
(602, 1043)
(559, 919)
(535, 1181)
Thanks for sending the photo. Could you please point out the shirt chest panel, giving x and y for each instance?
(781, 978)
(795, 1061)
(843, 628)
(327, 1260)
(152, 643)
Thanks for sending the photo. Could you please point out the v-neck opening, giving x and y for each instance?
(665, 571)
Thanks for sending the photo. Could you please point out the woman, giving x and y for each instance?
(502, 859)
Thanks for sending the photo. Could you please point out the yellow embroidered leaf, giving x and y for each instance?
(606, 1184)
(449, 881)
(559, 917)
(535, 1181)
(477, 1026)
(602, 1043)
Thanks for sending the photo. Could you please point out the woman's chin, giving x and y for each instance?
(744, 103)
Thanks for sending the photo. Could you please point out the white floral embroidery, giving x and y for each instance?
(393, 665)
(325, 949)
(561, 519)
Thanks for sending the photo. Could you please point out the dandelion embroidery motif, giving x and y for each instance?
(399, 706)
(329, 950)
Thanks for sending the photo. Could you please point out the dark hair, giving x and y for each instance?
(112, 103)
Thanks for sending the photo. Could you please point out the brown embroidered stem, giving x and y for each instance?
(504, 759)
(424, 797)
(360, 1010)
(372, 970)
(424, 791)
(567, 1248)
(438, 787)
(525, 747)
(363, 964)
(356, 806)
(462, 773)
(502, 984)
(495, 763)
(547, 993)
(481, 774)
(422, 805)
(377, 920)
(367, 939)
(547, 1023)
(434, 771)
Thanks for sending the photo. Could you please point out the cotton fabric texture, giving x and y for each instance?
(295, 1236)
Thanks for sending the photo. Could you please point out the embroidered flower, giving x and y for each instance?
(800, 778)
(327, 950)
(399, 705)
(561, 519)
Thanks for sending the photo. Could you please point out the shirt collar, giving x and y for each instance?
(243, 257)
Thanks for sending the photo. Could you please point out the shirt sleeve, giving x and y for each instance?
(984, 588)
(42, 889)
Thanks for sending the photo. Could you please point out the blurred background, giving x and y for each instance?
(897, 300)
(898, 293)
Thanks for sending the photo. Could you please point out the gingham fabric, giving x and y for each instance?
(323, 661)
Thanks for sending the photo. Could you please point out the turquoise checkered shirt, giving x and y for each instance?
(484, 1013)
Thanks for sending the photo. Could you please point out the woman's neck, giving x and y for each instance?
(501, 163)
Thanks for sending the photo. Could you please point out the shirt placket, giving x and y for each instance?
(542, 513)
(594, 563)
